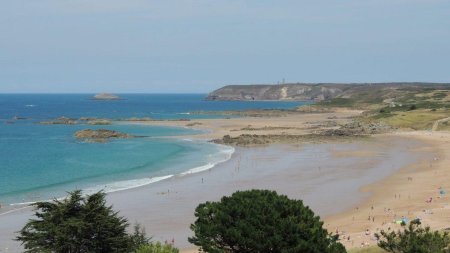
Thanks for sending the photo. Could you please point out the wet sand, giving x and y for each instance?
(328, 177)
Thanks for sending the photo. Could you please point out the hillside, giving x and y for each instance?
(318, 92)
(400, 105)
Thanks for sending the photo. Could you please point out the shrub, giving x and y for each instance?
(414, 239)
(157, 248)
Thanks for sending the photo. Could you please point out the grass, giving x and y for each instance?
(413, 108)
(373, 249)
(416, 119)
(445, 126)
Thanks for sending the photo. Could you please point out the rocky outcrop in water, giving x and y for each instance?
(71, 121)
(106, 96)
(99, 122)
(100, 135)
(60, 121)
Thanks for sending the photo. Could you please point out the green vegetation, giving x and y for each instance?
(444, 126)
(415, 119)
(79, 224)
(260, 221)
(414, 239)
(157, 248)
(245, 222)
(72, 224)
(402, 107)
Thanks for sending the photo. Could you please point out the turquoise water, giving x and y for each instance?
(38, 162)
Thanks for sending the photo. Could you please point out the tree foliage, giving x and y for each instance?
(138, 238)
(414, 239)
(260, 221)
(157, 248)
(76, 224)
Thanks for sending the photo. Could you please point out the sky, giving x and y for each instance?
(195, 46)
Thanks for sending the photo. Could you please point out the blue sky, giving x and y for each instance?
(197, 46)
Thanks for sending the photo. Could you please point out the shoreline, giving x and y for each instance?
(166, 209)
(111, 187)
(138, 204)
(357, 232)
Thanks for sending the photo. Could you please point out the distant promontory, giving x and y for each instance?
(310, 91)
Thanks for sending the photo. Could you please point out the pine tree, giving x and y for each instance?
(74, 225)
(260, 221)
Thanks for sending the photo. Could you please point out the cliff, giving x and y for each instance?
(307, 91)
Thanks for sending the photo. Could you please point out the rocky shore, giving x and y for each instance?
(91, 120)
(350, 131)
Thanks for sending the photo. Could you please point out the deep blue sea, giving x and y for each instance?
(40, 162)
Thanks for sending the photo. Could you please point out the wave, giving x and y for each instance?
(227, 151)
(107, 188)
(224, 155)
(125, 184)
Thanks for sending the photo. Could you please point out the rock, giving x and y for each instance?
(137, 119)
(87, 118)
(20, 118)
(99, 122)
(256, 140)
(60, 121)
(105, 96)
(193, 124)
(356, 128)
(100, 135)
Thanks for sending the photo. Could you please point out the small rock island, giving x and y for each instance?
(106, 96)
(100, 135)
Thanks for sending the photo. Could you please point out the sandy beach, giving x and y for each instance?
(384, 177)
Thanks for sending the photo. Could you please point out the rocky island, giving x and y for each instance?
(106, 96)
(100, 135)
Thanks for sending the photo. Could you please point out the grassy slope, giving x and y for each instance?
(402, 107)
(373, 249)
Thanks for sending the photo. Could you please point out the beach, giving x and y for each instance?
(340, 181)
(319, 174)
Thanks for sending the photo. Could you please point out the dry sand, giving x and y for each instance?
(340, 182)
(403, 194)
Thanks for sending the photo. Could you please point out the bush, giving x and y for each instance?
(260, 221)
(138, 238)
(157, 248)
(414, 239)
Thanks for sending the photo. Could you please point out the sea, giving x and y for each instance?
(41, 162)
